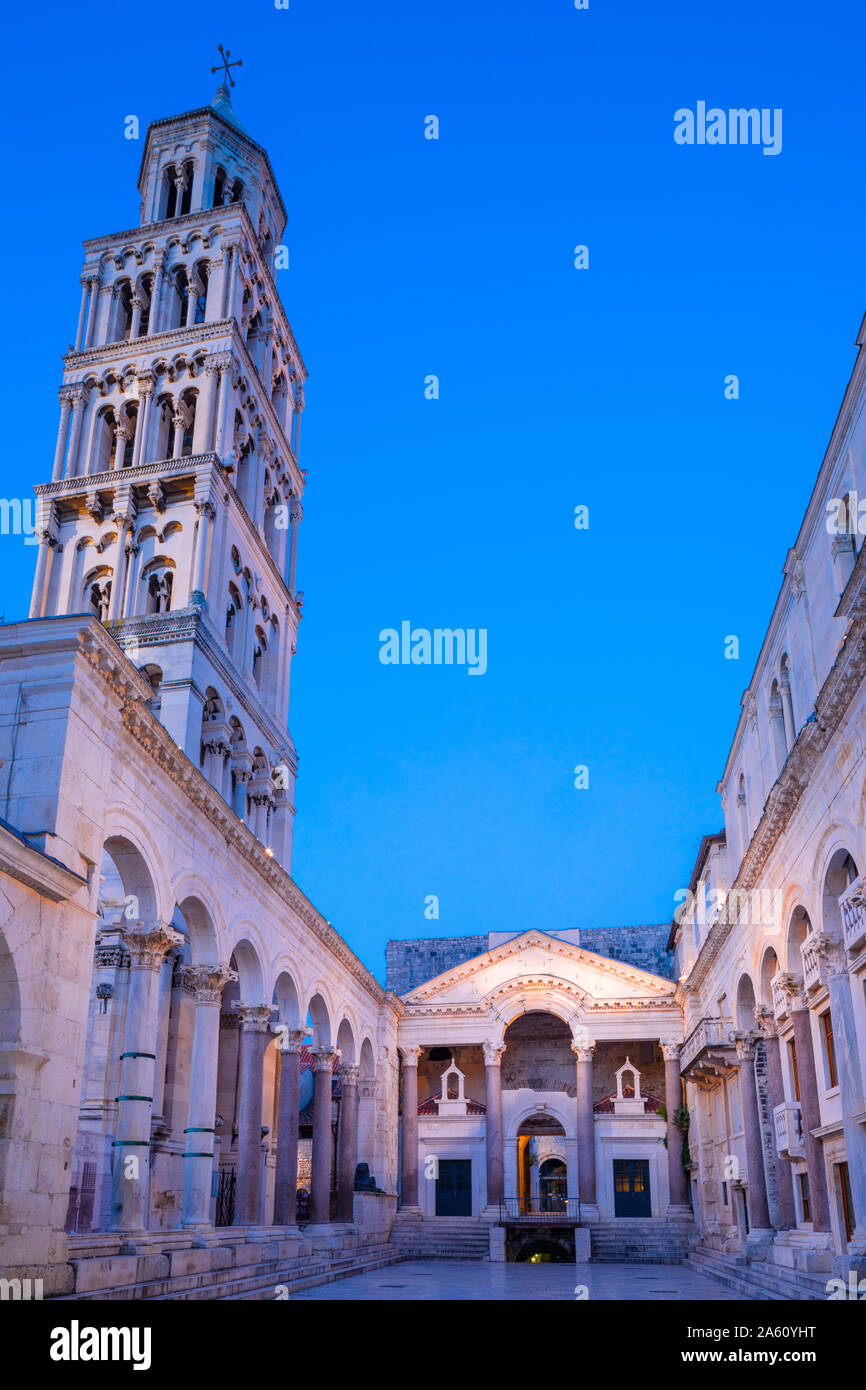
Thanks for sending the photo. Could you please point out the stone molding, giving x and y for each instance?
(207, 981)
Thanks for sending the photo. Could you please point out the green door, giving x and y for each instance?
(454, 1187)
(631, 1187)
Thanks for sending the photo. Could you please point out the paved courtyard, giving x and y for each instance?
(465, 1280)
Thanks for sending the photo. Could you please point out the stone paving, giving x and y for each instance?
(437, 1280)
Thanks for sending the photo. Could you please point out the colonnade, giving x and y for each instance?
(141, 1061)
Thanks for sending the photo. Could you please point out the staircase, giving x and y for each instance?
(440, 1237)
(253, 1279)
(761, 1280)
(631, 1240)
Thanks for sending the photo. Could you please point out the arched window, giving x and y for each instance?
(170, 190)
(159, 586)
(777, 723)
(218, 187)
(123, 320)
(787, 702)
(188, 402)
(164, 427)
(186, 193)
(202, 271)
(145, 293)
(180, 299)
(260, 649)
(233, 619)
(131, 422)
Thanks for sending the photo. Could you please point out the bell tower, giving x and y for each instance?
(173, 509)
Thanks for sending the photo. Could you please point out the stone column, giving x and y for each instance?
(79, 396)
(776, 1096)
(585, 1123)
(323, 1138)
(286, 1173)
(296, 512)
(142, 424)
(42, 578)
(202, 442)
(225, 425)
(253, 1041)
(409, 1184)
(79, 332)
(673, 1101)
(153, 313)
(207, 981)
(206, 513)
(346, 1144)
(835, 972)
(759, 1211)
(62, 431)
(493, 1122)
(146, 945)
(93, 282)
(135, 321)
(123, 522)
(798, 1008)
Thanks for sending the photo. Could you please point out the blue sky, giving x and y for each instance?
(558, 387)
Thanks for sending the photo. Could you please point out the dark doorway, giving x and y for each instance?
(454, 1187)
(631, 1187)
(553, 1185)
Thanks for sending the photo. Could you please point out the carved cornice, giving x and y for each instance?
(129, 477)
(834, 700)
(130, 349)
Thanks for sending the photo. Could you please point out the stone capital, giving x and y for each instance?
(149, 942)
(349, 1075)
(792, 988)
(254, 1017)
(583, 1050)
(207, 981)
(289, 1039)
(765, 1021)
(832, 954)
(410, 1055)
(745, 1041)
(492, 1052)
(325, 1058)
(670, 1050)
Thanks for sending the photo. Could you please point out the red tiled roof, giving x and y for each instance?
(428, 1107)
(605, 1105)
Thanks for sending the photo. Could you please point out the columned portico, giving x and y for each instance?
(409, 1156)
(678, 1204)
(798, 1007)
(585, 1124)
(346, 1144)
(253, 1041)
(493, 1128)
(207, 982)
(286, 1176)
(759, 1210)
(147, 946)
(323, 1137)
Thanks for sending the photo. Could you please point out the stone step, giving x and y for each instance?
(313, 1269)
(761, 1281)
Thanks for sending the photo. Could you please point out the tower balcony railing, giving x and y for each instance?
(540, 1211)
(707, 1047)
(788, 1124)
(852, 904)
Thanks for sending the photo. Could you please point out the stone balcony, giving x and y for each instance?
(813, 961)
(708, 1051)
(780, 998)
(852, 904)
(788, 1125)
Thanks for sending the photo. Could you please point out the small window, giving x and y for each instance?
(829, 1049)
(845, 1200)
(805, 1200)
(795, 1075)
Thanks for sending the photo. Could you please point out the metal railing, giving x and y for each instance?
(550, 1208)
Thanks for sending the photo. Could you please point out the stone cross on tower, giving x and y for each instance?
(225, 65)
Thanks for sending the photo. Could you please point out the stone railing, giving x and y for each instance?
(811, 962)
(710, 1032)
(852, 904)
(788, 1124)
(780, 999)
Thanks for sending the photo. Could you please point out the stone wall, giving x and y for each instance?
(411, 963)
(640, 946)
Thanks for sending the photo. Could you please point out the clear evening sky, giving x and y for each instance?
(411, 257)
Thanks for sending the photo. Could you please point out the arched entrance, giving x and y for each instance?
(542, 1185)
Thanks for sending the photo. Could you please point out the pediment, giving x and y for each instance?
(535, 960)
